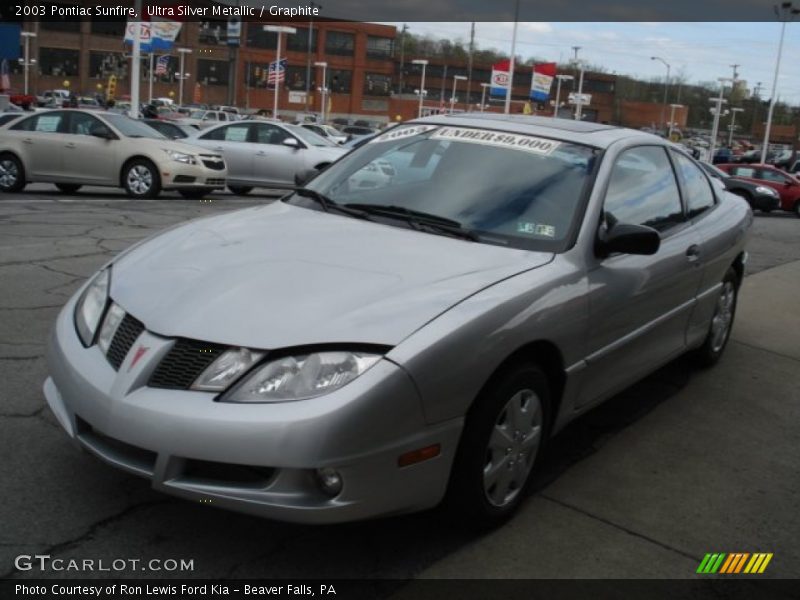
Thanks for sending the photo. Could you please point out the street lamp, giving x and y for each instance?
(27, 35)
(424, 63)
(324, 89)
(784, 13)
(717, 113)
(560, 78)
(666, 87)
(672, 108)
(279, 29)
(456, 79)
(182, 52)
(483, 94)
(733, 122)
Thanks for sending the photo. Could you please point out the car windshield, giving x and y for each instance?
(309, 137)
(131, 127)
(197, 114)
(507, 188)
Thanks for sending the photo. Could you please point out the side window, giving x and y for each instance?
(769, 175)
(270, 134)
(49, 122)
(699, 195)
(744, 172)
(210, 116)
(215, 134)
(81, 123)
(229, 133)
(642, 190)
(222, 116)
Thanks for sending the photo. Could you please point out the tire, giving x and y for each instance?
(12, 174)
(68, 188)
(719, 330)
(240, 190)
(504, 433)
(140, 179)
(195, 194)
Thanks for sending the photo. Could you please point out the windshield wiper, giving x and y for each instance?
(419, 220)
(327, 204)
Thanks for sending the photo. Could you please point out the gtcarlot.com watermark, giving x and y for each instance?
(44, 562)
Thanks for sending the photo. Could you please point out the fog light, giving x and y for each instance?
(330, 482)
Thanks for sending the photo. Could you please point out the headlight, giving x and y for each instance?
(762, 189)
(181, 157)
(302, 377)
(90, 307)
(226, 369)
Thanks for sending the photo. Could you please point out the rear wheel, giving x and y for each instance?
(68, 188)
(503, 434)
(240, 190)
(195, 194)
(140, 179)
(12, 174)
(719, 330)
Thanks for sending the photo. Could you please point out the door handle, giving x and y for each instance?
(27, 141)
(70, 145)
(261, 153)
(218, 148)
(693, 253)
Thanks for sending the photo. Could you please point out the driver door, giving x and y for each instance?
(88, 158)
(273, 162)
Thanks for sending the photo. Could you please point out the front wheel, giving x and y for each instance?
(719, 330)
(12, 174)
(503, 435)
(140, 179)
(68, 188)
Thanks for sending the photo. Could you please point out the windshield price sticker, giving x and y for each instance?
(499, 139)
(402, 132)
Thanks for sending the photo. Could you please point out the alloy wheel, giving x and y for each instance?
(8, 173)
(512, 449)
(140, 179)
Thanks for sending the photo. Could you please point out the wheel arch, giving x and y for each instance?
(738, 266)
(129, 160)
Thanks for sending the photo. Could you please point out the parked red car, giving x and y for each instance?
(787, 186)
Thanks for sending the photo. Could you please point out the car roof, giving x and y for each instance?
(581, 132)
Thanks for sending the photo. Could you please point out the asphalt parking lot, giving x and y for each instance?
(681, 464)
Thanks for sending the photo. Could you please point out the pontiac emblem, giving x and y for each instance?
(140, 352)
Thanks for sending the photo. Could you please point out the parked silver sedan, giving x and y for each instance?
(352, 351)
(266, 153)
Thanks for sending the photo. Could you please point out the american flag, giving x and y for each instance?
(277, 72)
(162, 64)
(5, 80)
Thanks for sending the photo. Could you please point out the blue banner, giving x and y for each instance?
(10, 41)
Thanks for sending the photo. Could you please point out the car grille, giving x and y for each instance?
(215, 181)
(213, 162)
(129, 329)
(184, 363)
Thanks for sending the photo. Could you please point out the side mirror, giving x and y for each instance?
(628, 239)
(291, 142)
(101, 131)
(303, 177)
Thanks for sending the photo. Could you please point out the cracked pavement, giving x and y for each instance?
(67, 504)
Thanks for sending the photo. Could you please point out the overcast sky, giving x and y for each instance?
(703, 51)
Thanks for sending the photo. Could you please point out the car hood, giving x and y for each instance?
(280, 276)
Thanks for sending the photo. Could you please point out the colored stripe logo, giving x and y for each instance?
(734, 563)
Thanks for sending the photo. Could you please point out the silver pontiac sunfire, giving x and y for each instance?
(361, 350)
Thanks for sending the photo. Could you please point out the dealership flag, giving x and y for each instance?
(154, 35)
(500, 77)
(162, 64)
(5, 80)
(277, 72)
(543, 75)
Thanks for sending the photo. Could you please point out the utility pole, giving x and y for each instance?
(308, 53)
(402, 56)
(756, 102)
(509, 91)
(576, 49)
(735, 72)
(469, 65)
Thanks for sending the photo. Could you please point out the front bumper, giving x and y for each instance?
(177, 175)
(257, 458)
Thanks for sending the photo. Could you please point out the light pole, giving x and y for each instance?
(579, 99)
(717, 114)
(27, 35)
(323, 90)
(424, 63)
(733, 122)
(672, 108)
(483, 94)
(666, 87)
(279, 29)
(560, 78)
(456, 79)
(182, 52)
(785, 14)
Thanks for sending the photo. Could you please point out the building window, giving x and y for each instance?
(258, 38)
(58, 62)
(340, 81)
(598, 86)
(104, 64)
(377, 84)
(340, 43)
(109, 26)
(296, 78)
(298, 42)
(213, 32)
(379, 47)
(212, 72)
